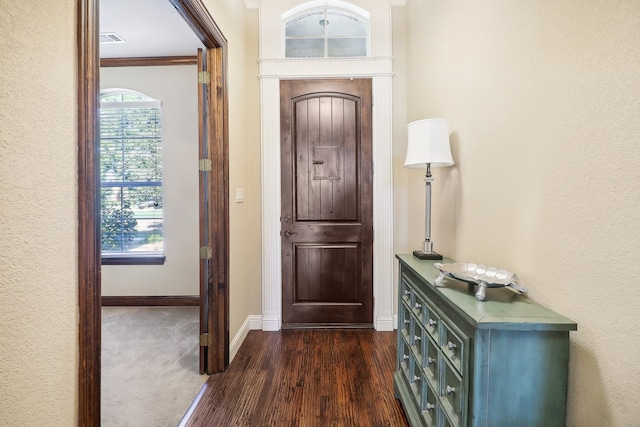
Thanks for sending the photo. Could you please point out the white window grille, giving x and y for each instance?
(326, 33)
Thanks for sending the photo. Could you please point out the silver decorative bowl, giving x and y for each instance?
(480, 275)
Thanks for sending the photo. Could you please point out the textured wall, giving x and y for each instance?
(180, 273)
(542, 99)
(38, 214)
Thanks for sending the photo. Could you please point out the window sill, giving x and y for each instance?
(133, 259)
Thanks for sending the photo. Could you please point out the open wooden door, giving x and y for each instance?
(213, 166)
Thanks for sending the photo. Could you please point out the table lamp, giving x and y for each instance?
(428, 147)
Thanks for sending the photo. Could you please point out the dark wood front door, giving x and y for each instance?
(327, 208)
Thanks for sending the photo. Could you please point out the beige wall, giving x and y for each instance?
(244, 158)
(246, 258)
(38, 214)
(402, 215)
(542, 99)
(180, 273)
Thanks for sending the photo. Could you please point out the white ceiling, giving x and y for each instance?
(149, 28)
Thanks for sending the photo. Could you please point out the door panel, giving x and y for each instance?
(327, 233)
(325, 159)
(326, 273)
(205, 191)
(214, 292)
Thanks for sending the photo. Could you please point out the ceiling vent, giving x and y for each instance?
(110, 38)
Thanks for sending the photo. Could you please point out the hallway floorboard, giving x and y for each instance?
(304, 378)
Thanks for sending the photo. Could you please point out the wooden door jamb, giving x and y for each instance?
(89, 291)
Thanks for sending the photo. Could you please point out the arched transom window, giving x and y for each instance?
(326, 33)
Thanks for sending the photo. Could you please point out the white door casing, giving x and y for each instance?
(379, 69)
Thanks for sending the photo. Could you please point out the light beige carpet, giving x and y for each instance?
(149, 365)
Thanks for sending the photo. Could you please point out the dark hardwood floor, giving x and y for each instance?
(304, 378)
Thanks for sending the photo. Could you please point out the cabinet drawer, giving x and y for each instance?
(430, 361)
(416, 381)
(405, 292)
(404, 355)
(418, 336)
(430, 411)
(452, 394)
(431, 322)
(453, 346)
(447, 423)
(405, 318)
(418, 306)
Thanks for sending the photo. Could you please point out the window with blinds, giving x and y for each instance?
(130, 174)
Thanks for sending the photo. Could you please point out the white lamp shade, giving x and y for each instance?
(428, 142)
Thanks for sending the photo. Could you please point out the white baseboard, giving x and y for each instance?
(252, 322)
(270, 324)
(385, 324)
(255, 322)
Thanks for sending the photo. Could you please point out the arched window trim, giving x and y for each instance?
(329, 6)
(143, 101)
(310, 6)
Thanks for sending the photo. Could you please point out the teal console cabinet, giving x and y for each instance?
(502, 362)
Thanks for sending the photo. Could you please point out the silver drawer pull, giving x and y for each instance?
(430, 407)
(406, 292)
(451, 346)
(417, 306)
(405, 357)
(416, 378)
(416, 338)
(432, 322)
(450, 390)
(430, 361)
(406, 321)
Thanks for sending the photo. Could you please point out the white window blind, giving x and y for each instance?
(130, 174)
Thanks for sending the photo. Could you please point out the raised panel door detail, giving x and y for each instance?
(326, 160)
(327, 273)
